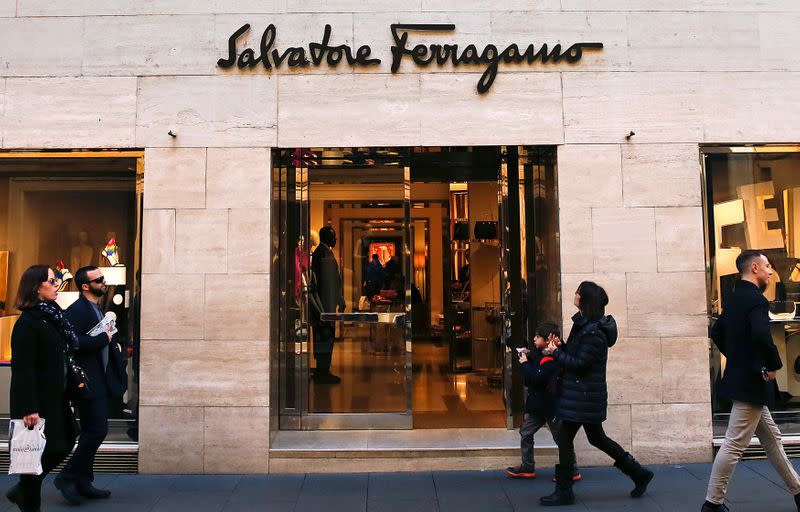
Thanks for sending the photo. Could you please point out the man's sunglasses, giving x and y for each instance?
(98, 280)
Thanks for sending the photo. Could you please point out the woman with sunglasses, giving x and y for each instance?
(38, 371)
(584, 394)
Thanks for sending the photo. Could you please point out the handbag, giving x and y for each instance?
(77, 387)
(486, 230)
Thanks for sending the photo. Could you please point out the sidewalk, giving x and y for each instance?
(755, 488)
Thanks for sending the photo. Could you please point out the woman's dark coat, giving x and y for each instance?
(37, 377)
(584, 394)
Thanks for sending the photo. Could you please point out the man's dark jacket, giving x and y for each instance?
(743, 336)
(584, 393)
(102, 381)
(539, 372)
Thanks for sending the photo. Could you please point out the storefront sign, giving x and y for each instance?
(423, 55)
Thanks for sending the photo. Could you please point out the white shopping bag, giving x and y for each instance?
(25, 447)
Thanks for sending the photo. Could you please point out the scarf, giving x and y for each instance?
(56, 314)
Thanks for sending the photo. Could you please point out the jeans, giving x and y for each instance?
(748, 419)
(530, 425)
(596, 436)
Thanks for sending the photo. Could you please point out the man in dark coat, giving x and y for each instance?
(93, 354)
(327, 296)
(743, 336)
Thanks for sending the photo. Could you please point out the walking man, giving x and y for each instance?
(75, 480)
(742, 335)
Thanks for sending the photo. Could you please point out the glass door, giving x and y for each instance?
(347, 246)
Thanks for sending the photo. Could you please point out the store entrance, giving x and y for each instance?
(393, 308)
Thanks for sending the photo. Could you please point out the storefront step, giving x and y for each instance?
(791, 444)
(401, 450)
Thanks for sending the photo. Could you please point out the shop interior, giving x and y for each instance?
(753, 194)
(68, 211)
(420, 234)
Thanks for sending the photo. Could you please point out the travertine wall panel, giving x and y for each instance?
(624, 239)
(451, 111)
(349, 110)
(667, 304)
(8, 8)
(169, 438)
(681, 5)
(680, 240)
(248, 238)
(691, 41)
(684, 367)
(238, 178)
(158, 241)
(751, 107)
(41, 47)
(531, 26)
(126, 7)
(658, 107)
(350, 5)
(215, 111)
(70, 112)
(172, 316)
(577, 254)
(2, 110)
(589, 176)
(212, 376)
(237, 308)
(236, 440)
(778, 41)
(175, 178)
(148, 45)
(201, 241)
(634, 371)
(660, 174)
(671, 433)
(481, 6)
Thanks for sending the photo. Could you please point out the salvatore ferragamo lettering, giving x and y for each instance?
(422, 55)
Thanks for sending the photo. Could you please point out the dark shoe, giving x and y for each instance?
(91, 492)
(521, 471)
(563, 494)
(797, 501)
(711, 507)
(14, 495)
(68, 491)
(641, 476)
(326, 378)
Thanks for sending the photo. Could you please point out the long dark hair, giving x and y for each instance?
(593, 300)
(29, 283)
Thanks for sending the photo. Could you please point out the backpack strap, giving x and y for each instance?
(545, 359)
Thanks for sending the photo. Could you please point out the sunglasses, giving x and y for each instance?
(98, 280)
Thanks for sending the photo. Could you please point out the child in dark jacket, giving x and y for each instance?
(542, 375)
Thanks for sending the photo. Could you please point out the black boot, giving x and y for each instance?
(68, 490)
(641, 476)
(563, 494)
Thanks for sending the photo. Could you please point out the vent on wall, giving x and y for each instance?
(111, 459)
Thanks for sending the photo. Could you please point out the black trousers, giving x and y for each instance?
(596, 436)
(31, 485)
(94, 428)
(324, 333)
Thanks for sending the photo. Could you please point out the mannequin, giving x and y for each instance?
(327, 296)
(81, 252)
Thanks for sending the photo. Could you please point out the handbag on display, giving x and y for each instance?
(486, 230)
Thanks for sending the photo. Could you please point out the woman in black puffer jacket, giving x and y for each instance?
(584, 394)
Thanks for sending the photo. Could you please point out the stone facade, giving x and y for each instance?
(119, 74)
